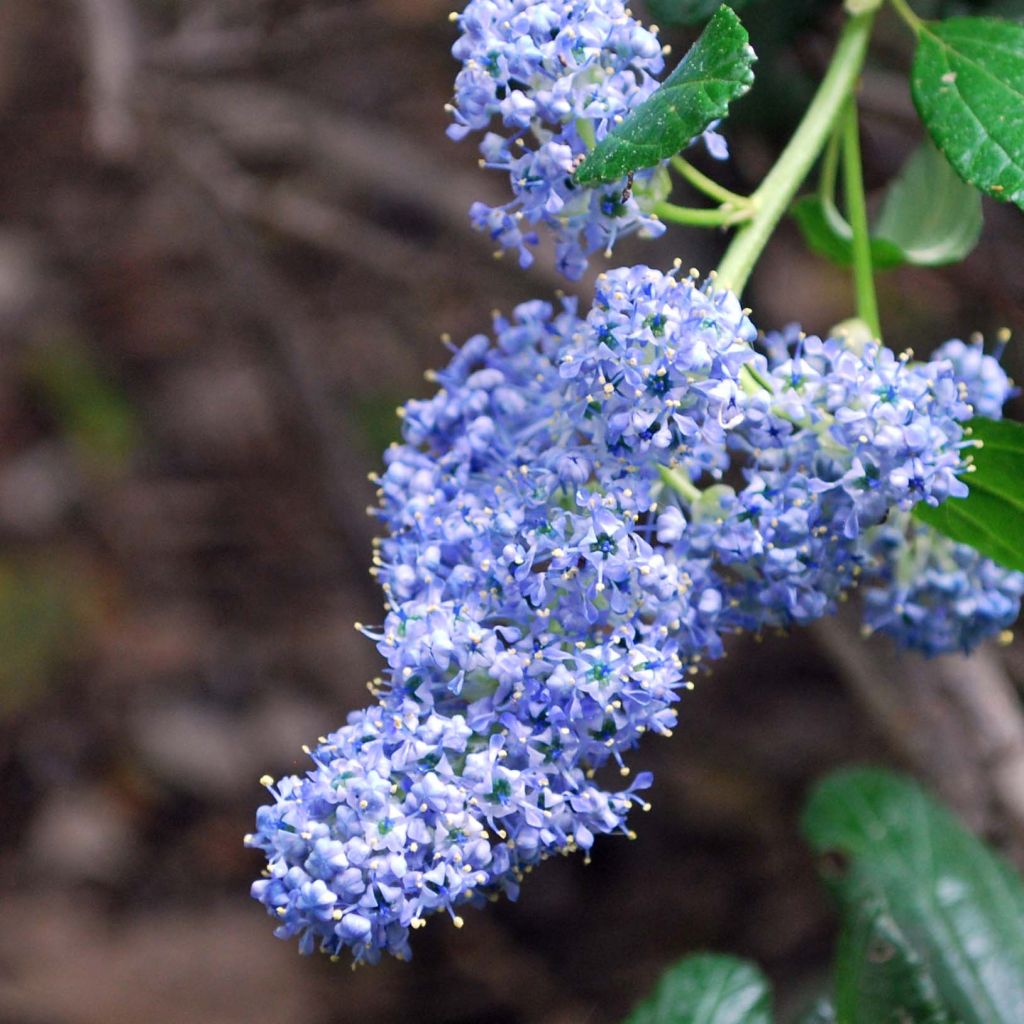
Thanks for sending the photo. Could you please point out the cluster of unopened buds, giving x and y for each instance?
(589, 506)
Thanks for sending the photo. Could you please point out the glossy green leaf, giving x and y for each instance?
(715, 71)
(929, 214)
(968, 86)
(687, 12)
(880, 976)
(991, 518)
(707, 989)
(999, 462)
(980, 521)
(958, 906)
(829, 234)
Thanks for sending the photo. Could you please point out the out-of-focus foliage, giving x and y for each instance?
(707, 989)
(88, 408)
(41, 618)
(932, 922)
(940, 916)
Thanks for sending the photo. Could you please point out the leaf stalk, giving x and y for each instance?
(708, 186)
(679, 483)
(903, 9)
(719, 216)
(776, 192)
(857, 214)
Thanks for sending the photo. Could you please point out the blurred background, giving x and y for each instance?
(231, 232)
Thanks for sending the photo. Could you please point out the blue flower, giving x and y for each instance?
(930, 593)
(553, 78)
(933, 595)
(406, 814)
(572, 524)
(988, 388)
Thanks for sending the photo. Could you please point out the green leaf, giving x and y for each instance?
(707, 989)
(929, 218)
(687, 12)
(880, 977)
(999, 462)
(829, 234)
(980, 521)
(958, 906)
(715, 71)
(929, 214)
(991, 517)
(968, 86)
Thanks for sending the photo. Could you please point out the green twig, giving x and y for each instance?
(585, 128)
(752, 381)
(830, 168)
(679, 483)
(719, 216)
(776, 192)
(902, 8)
(708, 186)
(857, 214)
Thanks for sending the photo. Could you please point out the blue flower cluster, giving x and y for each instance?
(928, 592)
(988, 388)
(934, 595)
(573, 523)
(409, 811)
(833, 438)
(533, 634)
(554, 77)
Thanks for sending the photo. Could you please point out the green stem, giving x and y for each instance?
(585, 128)
(752, 381)
(718, 216)
(679, 483)
(708, 186)
(776, 192)
(903, 10)
(857, 214)
(830, 169)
